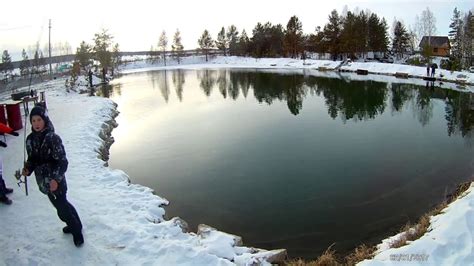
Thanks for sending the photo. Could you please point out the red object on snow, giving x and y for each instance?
(14, 116)
(5, 129)
(3, 118)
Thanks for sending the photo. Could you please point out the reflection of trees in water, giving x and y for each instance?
(459, 113)
(163, 85)
(207, 80)
(222, 82)
(178, 82)
(159, 79)
(107, 90)
(401, 93)
(359, 100)
(356, 100)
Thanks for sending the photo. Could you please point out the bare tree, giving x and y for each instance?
(426, 24)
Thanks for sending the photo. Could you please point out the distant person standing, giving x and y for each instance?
(427, 70)
(90, 78)
(433, 69)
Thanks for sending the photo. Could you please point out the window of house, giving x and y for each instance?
(435, 50)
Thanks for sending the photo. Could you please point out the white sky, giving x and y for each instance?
(136, 25)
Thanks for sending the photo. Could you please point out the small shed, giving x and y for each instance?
(439, 45)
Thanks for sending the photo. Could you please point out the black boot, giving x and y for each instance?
(5, 200)
(8, 190)
(78, 239)
(67, 230)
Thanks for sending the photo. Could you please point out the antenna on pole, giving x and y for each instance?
(50, 68)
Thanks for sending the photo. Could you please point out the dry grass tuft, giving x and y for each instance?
(328, 258)
(415, 232)
(410, 233)
(360, 253)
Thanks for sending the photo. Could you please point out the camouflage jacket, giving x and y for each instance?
(47, 158)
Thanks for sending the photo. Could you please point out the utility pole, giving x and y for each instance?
(50, 68)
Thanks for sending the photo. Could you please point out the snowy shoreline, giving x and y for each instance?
(125, 221)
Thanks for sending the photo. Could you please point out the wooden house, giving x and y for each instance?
(439, 45)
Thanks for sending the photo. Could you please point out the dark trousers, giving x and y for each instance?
(66, 212)
(2, 187)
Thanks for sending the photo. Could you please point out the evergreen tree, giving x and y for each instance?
(348, 35)
(400, 43)
(151, 55)
(116, 58)
(332, 34)
(233, 39)
(455, 38)
(378, 39)
(101, 49)
(361, 26)
(162, 44)
(293, 41)
(267, 40)
(36, 62)
(25, 63)
(177, 47)
(42, 60)
(7, 65)
(206, 43)
(467, 39)
(243, 44)
(83, 55)
(221, 42)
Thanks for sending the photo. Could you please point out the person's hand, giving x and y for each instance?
(25, 172)
(53, 185)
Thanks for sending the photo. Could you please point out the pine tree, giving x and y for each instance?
(177, 47)
(233, 39)
(400, 41)
(102, 44)
(83, 55)
(348, 35)
(377, 34)
(332, 34)
(7, 65)
(221, 42)
(243, 44)
(467, 39)
(162, 44)
(116, 58)
(25, 63)
(293, 41)
(36, 62)
(455, 37)
(206, 43)
(151, 55)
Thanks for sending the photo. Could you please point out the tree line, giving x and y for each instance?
(351, 34)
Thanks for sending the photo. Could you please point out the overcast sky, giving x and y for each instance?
(137, 25)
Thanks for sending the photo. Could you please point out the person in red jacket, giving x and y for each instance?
(4, 190)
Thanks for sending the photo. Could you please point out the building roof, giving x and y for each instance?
(435, 41)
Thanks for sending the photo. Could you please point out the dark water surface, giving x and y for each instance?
(292, 161)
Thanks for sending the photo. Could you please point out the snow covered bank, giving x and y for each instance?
(381, 72)
(449, 240)
(123, 223)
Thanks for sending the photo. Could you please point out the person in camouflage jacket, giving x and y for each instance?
(47, 159)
